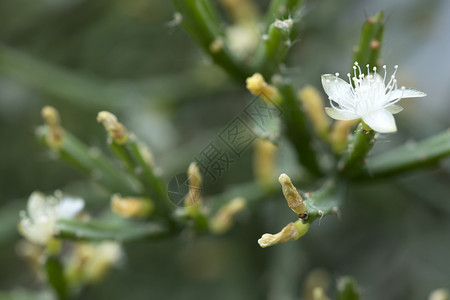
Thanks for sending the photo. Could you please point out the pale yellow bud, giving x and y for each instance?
(90, 262)
(241, 11)
(439, 294)
(147, 155)
(114, 128)
(292, 196)
(313, 104)
(319, 294)
(55, 134)
(131, 207)
(259, 87)
(192, 201)
(290, 232)
(223, 220)
(264, 162)
(316, 284)
(339, 134)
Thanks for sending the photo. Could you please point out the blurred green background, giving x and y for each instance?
(127, 57)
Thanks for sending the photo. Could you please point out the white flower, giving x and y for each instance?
(369, 98)
(38, 226)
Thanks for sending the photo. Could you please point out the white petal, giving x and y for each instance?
(394, 109)
(381, 120)
(405, 93)
(340, 114)
(336, 88)
(38, 232)
(38, 207)
(69, 208)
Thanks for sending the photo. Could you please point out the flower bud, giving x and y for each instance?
(223, 220)
(439, 294)
(290, 232)
(114, 128)
(192, 201)
(259, 87)
(313, 104)
(131, 207)
(55, 135)
(264, 162)
(292, 196)
(339, 134)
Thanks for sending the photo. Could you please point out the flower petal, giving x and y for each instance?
(337, 89)
(37, 206)
(340, 114)
(394, 109)
(405, 93)
(68, 208)
(381, 120)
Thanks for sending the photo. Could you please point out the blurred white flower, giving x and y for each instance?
(38, 224)
(370, 98)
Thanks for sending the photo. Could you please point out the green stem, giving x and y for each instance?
(55, 276)
(409, 157)
(93, 164)
(202, 22)
(324, 201)
(99, 231)
(297, 129)
(281, 10)
(89, 91)
(273, 50)
(353, 159)
(131, 154)
(347, 289)
(370, 40)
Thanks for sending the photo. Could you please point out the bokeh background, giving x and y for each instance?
(128, 57)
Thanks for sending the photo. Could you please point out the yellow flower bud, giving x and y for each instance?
(131, 207)
(339, 134)
(55, 134)
(292, 196)
(313, 104)
(264, 162)
(223, 220)
(241, 11)
(290, 232)
(319, 294)
(259, 87)
(439, 294)
(114, 128)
